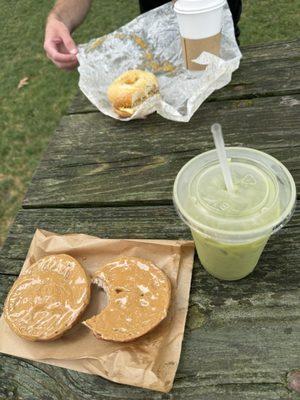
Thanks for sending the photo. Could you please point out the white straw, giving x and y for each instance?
(216, 130)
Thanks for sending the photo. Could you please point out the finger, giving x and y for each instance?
(69, 42)
(51, 50)
(66, 66)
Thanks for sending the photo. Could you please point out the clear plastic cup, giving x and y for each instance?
(231, 229)
(199, 19)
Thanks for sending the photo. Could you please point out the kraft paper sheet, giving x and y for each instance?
(150, 361)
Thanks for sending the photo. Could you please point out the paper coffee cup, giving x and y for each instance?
(200, 23)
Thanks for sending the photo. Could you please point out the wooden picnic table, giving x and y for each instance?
(114, 179)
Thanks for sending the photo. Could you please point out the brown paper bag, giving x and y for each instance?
(150, 361)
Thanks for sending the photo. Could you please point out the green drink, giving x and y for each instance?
(231, 229)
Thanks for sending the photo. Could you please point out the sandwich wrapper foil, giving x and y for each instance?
(152, 42)
(148, 362)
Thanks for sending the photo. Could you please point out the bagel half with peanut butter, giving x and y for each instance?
(48, 298)
(138, 299)
(130, 90)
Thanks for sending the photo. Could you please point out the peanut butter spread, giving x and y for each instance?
(47, 298)
(138, 299)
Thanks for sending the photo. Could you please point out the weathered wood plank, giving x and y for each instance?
(272, 69)
(279, 263)
(121, 222)
(241, 341)
(241, 338)
(271, 51)
(94, 160)
(227, 353)
(26, 380)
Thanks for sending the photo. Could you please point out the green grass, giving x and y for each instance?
(269, 20)
(30, 115)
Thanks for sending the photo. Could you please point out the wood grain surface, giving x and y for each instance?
(241, 337)
(113, 179)
(94, 160)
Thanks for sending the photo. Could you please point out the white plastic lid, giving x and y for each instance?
(194, 6)
(202, 201)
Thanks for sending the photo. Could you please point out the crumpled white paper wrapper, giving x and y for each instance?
(152, 42)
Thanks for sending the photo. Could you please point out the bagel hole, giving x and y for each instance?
(131, 80)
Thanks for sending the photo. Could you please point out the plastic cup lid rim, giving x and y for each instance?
(237, 236)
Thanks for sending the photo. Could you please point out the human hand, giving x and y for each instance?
(59, 45)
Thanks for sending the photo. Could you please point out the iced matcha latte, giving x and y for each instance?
(231, 229)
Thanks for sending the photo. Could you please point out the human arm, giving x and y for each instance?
(63, 19)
